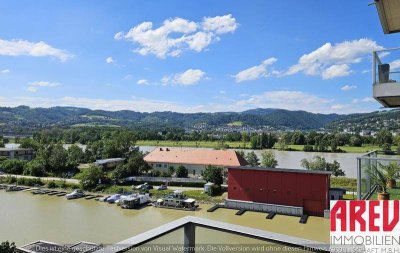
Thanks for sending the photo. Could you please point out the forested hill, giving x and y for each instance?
(24, 117)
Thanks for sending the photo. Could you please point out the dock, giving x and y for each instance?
(270, 216)
(213, 208)
(240, 212)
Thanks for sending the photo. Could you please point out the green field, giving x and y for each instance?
(232, 144)
(347, 149)
(394, 194)
(194, 144)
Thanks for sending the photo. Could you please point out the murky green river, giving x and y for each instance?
(25, 218)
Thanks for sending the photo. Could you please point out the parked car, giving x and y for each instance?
(162, 187)
(144, 187)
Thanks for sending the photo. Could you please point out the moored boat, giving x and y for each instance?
(113, 198)
(135, 201)
(177, 200)
(75, 194)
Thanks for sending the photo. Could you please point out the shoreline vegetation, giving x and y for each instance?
(247, 145)
(350, 184)
(63, 185)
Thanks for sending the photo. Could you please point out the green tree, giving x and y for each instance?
(356, 141)
(35, 168)
(75, 156)
(213, 174)
(91, 177)
(29, 143)
(384, 136)
(12, 166)
(171, 170)
(181, 171)
(134, 166)
(319, 163)
(6, 247)
(386, 148)
(57, 159)
(252, 159)
(268, 159)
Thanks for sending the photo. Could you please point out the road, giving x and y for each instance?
(68, 180)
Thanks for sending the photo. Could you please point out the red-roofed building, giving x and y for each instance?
(195, 160)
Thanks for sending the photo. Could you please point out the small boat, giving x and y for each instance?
(135, 201)
(13, 188)
(75, 194)
(162, 187)
(104, 199)
(177, 200)
(39, 191)
(113, 198)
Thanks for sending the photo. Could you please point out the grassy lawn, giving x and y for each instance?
(238, 144)
(347, 149)
(194, 144)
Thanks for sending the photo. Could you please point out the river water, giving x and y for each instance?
(25, 218)
(292, 159)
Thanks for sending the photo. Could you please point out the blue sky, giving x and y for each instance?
(190, 56)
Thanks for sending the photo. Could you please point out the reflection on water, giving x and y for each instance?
(25, 218)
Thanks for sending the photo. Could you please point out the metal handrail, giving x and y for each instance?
(189, 223)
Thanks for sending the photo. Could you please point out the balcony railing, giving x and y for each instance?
(369, 162)
(386, 77)
(189, 225)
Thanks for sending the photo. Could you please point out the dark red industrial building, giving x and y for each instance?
(289, 187)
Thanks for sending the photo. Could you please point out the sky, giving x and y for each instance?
(191, 56)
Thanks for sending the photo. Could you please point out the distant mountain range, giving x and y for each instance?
(27, 118)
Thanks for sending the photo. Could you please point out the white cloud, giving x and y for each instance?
(189, 77)
(142, 82)
(220, 24)
(255, 72)
(272, 99)
(336, 71)
(4, 71)
(36, 49)
(363, 100)
(348, 87)
(128, 77)
(110, 60)
(177, 35)
(34, 86)
(395, 65)
(330, 61)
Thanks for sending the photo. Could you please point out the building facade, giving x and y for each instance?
(194, 160)
(305, 189)
(17, 153)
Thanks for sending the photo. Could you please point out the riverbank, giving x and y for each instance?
(62, 185)
(245, 145)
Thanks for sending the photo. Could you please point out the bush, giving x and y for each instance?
(215, 190)
(29, 181)
(12, 166)
(165, 174)
(155, 173)
(6, 247)
(308, 148)
(52, 184)
(181, 171)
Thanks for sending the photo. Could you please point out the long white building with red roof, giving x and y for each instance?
(195, 160)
